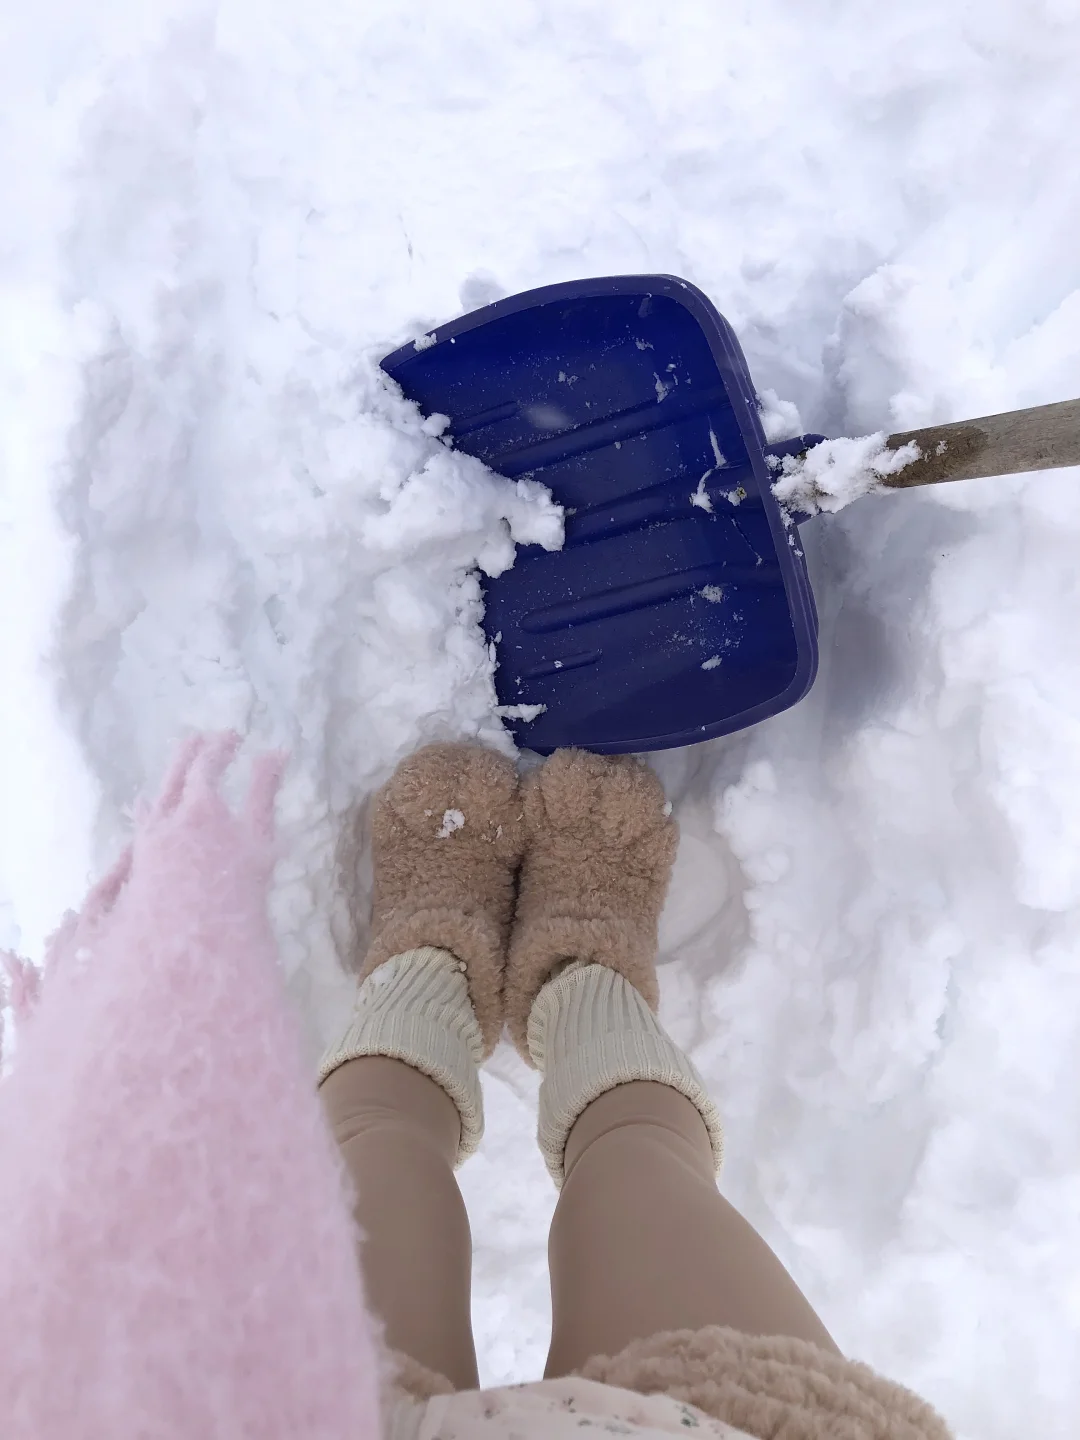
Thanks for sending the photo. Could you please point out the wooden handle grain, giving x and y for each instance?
(1046, 437)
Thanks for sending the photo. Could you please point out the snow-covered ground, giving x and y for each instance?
(217, 215)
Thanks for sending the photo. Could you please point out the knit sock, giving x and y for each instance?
(589, 1030)
(415, 1007)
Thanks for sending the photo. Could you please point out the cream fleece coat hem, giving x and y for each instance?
(768, 1386)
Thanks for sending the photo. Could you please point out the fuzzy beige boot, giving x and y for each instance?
(446, 843)
(600, 845)
(581, 986)
(447, 835)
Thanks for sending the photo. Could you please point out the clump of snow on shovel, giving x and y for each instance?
(526, 713)
(830, 475)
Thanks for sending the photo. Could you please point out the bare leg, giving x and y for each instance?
(642, 1241)
(398, 1132)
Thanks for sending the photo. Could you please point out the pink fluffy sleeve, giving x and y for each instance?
(176, 1249)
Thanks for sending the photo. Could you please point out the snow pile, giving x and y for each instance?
(211, 512)
(833, 473)
(232, 513)
(311, 579)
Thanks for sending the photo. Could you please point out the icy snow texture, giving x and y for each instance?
(835, 472)
(215, 214)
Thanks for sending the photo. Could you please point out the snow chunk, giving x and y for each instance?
(711, 663)
(452, 820)
(424, 342)
(836, 472)
(452, 503)
(713, 593)
(779, 418)
(700, 498)
(527, 713)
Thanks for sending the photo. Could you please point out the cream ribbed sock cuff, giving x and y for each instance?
(590, 1030)
(415, 1007)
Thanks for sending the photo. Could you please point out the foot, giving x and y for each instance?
(599, 847)
(447, 837)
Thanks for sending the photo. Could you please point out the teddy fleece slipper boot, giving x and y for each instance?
(446, 842)
(599, 847)
(581, 987)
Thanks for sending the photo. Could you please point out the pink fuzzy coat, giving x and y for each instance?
(170, 1268)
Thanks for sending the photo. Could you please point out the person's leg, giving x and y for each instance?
(399, 1133)
(642, 1241)
(401, 1083)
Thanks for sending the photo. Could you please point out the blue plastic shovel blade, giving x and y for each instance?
(679, 608)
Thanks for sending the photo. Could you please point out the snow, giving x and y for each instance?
(218, 215)
(521, 712)
(779, 418)
(700, 496)
(833, 473)
(452, 820)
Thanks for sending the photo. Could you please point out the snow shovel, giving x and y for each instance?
(679, 608)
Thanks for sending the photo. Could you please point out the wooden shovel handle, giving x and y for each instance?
(1046, 437)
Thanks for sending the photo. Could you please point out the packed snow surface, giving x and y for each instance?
(217, 216)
